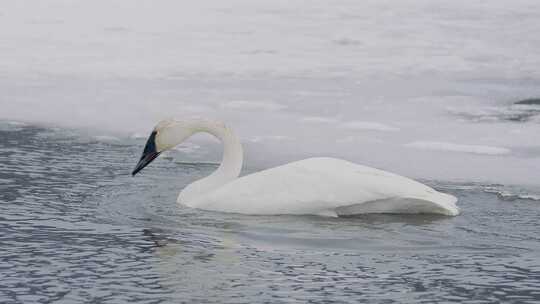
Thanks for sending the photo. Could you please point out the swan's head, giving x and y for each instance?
(166, 135)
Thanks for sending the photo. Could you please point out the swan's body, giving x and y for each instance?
(324, 186)
(319, 186)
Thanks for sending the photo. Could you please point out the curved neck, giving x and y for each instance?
(231, 163)
(233, 155)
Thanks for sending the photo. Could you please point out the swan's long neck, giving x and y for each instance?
(228, 170)
(231, 163)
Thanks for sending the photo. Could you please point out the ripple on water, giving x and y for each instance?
(75, 227)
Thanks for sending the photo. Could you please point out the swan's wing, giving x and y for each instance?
(326, 186)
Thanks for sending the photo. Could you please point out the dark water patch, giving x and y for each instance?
(516, 113)
(530, 102)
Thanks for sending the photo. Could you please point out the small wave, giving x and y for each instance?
(509, 195)
(503, 192)
(6, 181)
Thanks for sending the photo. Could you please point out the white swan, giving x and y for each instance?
(319, 186)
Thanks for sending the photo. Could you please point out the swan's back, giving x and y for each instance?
(325, 186)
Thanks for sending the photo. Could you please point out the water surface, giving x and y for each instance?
(75, 227)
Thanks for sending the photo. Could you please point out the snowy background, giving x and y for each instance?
(421, 88)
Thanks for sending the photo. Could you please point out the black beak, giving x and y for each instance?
(149, 154)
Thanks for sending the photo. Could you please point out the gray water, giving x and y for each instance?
(75, 227)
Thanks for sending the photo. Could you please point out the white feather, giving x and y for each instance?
(318, 186)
